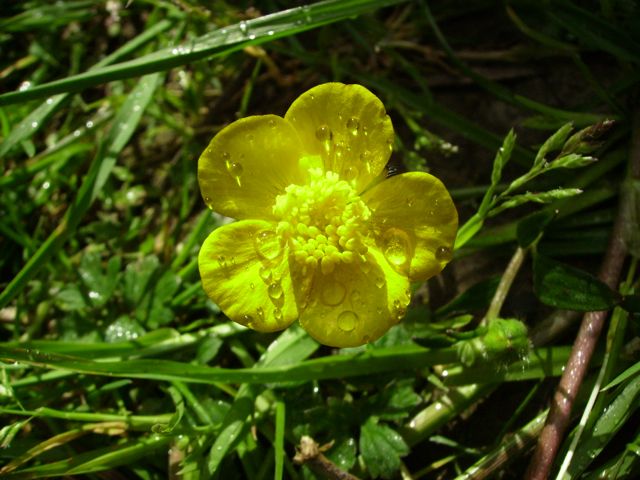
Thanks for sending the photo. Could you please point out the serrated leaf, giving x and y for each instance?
(71, 299)
(381, 448)
(562, 286)
(532, 226)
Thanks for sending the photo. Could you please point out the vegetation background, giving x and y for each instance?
(116, 365)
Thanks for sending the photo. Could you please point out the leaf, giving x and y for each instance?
(502, 157)
(532, 226)
(628, 373)
(562, 286)
(619, 410)
(381, 448)
(71, 299)
(476, 297)
(554, 142)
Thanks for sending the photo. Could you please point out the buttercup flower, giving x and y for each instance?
(321, 235)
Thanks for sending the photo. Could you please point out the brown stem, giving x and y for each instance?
(587, 338)
(310, 454)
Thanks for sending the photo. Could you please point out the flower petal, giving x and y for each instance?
(245, 270)
(348, 127)
(247, 164)
(354, 304)
(415, 223)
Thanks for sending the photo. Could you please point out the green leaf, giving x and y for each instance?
(71, 298)
(532, 226)
(562, 286)
(618, 412)
(554, 142)
(476, 297)
(502, 157)
(381, 448)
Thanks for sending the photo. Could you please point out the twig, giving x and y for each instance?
(587, 338)
(310, 454)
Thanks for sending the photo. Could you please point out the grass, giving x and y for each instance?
(114, 361)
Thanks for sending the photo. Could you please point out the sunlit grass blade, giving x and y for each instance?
(125, 123)
(214, 44)
(370, 362)
(38, 117)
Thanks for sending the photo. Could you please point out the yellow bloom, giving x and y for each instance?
(322, 237)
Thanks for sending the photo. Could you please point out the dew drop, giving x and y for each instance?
(260, 313)
(49, 101)
(380, 281)
(266, 244)
(353, 125)
(396, 248)
(443, 253)
(275, 290)
(272, 123)
(270, 33)
(34, 124)
(323, 133)
(347, 321)
(277, 314)
(252, 286)
(89, 124)
(234, 168)
(410, 201)
(26, 85)
(265, 274)
(350, 173)
(243, 27)
(333, 294)
(356, 298)
(247, 320)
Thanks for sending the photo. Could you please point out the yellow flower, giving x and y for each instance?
(321, 236)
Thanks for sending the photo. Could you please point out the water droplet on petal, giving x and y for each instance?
(323, 133)
(443, 253)
(353, 125)
(247, 320)
(380, 281)
(356, 298)
(277, 314)
(410, 201)
(275, 290)
(234, 168)
(272, 123)
(260, 313)
(333, 293)
(396, 247)
(347, 321)
(265, 274)
(252, 286)
(350, 173)
(267, 244)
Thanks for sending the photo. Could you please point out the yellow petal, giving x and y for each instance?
(353, 305)
(348, 127)
(244, 269)
(415, 223)
(249, 163)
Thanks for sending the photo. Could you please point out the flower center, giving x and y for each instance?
(325, 222)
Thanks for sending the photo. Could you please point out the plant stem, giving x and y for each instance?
(505, 284)
(587, 338)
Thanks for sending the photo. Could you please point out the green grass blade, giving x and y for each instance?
(369, 362)
(211, 45)
(279, 440)
(38, 117)
(124, 125)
